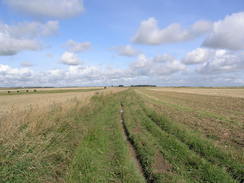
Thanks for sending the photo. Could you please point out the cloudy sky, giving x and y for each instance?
(90, 42)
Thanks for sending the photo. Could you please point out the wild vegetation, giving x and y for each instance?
(133, 135)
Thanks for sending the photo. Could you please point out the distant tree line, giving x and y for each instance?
(143, 86)
(138, 86)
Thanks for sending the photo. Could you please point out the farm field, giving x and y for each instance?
(123, 135)
(229, 92)
(24, 101)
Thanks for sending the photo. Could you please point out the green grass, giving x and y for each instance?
(103, 154)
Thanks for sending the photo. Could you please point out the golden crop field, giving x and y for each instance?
(16, 102)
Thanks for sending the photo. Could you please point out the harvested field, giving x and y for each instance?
(230, 92)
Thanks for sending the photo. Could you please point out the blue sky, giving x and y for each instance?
(80, 43)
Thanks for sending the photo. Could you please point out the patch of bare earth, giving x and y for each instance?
(160, 165)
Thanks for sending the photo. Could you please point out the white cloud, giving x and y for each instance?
(126, 50)
(161, 70)
(70, 58)
(157, 66)
(150, 33)
(13, 76)
(74, 46)
(23, 36)
(222, 34)
(215, 61)
(30, 29)
(48, 8)
(11, 46)
(198, 56)
(222, 61)
(227, 33)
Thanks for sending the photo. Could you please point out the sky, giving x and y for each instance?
(95, 43)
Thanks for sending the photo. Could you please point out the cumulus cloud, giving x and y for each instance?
(11, 46)
(161, 70)
(198, 56)
(214, 61)
(48, 8)
(13, 76)
(126, 50)
(70, 58)
(222, 34)
(23, 36)
(150, 33)
(157, 66)
(222, 61)
(74, 46)
(30, 29)
(227, 33)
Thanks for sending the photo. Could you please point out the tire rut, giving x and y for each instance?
(132, 148)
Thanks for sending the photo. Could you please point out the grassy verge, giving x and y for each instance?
(103, 155)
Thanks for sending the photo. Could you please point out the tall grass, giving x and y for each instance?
(37, 145)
